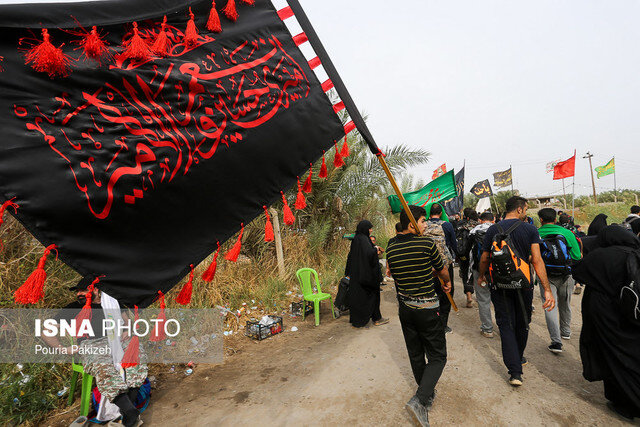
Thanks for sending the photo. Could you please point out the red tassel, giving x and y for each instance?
(307, 184)
(191, 33)
(161, 45)
(249, 2)
(323, 168)
(93, 45)
(131, 356)
(345, 148)
(86, 313)
(5, 205)
(268, 227)
(287, 215)
(230, 10)
(213, 24)
(233, 253)
(136, 47)
(208, 275)
(46, 58)
(301, 202)
(184, 297)
(158, 333)
(32, 290)
(337, 159)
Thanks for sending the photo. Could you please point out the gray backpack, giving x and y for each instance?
(436, 232)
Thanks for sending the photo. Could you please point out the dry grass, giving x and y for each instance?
(253, 280)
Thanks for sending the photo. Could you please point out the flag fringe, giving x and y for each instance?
(184, 297)
(210, 273)
(234, 252)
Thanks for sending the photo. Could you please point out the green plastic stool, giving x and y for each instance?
(85, 393)
(304, 276)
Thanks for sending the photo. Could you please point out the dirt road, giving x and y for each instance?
(333, 374)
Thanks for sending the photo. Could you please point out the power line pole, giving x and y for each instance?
(593, 182)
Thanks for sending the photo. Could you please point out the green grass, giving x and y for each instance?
(616, 213)
(25, 399)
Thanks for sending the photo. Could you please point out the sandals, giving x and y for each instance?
(381, 321)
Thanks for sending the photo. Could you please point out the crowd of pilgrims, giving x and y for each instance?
(604, 262)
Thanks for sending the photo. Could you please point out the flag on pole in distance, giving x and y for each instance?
(440, 189)
(482, 189)
(503, 179)
(552, 165)
(565, 169)
(607, 169)
(440, 170)
(455, 204)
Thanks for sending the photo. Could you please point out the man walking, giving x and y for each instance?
(412, 259)
(519, 242)
(560, 248)
(483, 294)
(464, 241)
(444, 236)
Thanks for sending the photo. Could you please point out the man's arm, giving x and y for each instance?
(482, 268)
(541, 271)
(450, 237)
(443, 274)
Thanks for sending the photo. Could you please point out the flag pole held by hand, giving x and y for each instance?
(405, 206)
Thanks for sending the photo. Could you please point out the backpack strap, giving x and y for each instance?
(504, 234)
(513, 227)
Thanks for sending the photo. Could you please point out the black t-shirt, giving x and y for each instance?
(97, 315)
(522, 237)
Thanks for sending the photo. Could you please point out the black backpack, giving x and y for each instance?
(630, 293)
(463, 238)
(556, 256)
(476, 247)
(508, 269)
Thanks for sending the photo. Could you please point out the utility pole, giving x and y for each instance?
(278, 239)
(593, 182)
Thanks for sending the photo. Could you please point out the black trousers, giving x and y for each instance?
(445, 305)
(424, 336)
(467, 280)
(513, 324)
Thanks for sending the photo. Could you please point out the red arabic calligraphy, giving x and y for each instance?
(153, 122)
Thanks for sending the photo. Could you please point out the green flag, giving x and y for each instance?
(607, 169)
(440, 189)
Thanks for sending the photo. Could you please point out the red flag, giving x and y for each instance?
(440, 170)
(565, 169)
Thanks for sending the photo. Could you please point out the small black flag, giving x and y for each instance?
(503, 179)
(482, 189)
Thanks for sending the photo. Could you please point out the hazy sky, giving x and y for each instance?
(495, 82)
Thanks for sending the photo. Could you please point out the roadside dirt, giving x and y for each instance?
(334, 374)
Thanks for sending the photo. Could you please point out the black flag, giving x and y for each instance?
(136, 164)
(503, 179)
(482, 189)
(455, 205)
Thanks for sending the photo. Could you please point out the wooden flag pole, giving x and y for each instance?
(405, 206)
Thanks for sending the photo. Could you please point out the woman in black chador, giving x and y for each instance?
(365, 276)
(610, 338)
